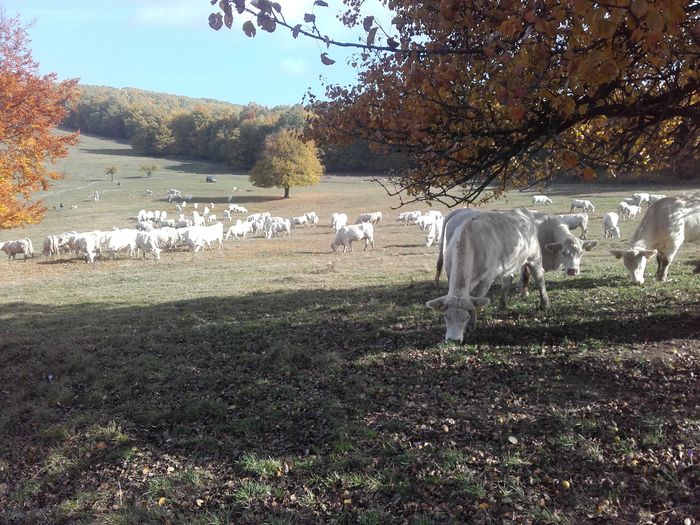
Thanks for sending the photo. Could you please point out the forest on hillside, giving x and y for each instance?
(161, 124)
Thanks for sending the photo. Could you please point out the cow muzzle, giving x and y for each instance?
(572, 272)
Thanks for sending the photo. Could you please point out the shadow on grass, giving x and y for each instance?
(311, 373)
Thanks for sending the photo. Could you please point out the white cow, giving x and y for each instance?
(374, 217)
(167, 237)
(301, 220)
(424, 222)
(653, 197)
(312, 218)
(663, 229)
(541, 199)
(486, 246)
(611, 229)
(146, 242)
(241, 228)
(338, 220)
(640, 198)
(118, 240)
(235, 208)
(584, 204)
(435, 232)
(409, 217)
(623, 208)
(196, 237)
(227, 215)
(13, 248)
(354, 232)
(211, 217)
(279, 228)
(632, 211)
(51, 246)
(576, 220)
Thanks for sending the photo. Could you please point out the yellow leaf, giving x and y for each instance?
(199, 502)
(162, 501)
(484, 506)
(655, 21)
(588, 174)
(146, 470)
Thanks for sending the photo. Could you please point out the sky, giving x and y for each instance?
(167, 46)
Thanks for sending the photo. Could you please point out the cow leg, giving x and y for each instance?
(506, 284)
(538, 273)
(584, 232)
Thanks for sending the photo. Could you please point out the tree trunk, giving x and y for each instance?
(286, 192)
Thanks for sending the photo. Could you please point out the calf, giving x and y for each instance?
(355, 232)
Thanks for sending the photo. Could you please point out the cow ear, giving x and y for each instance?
(589, 245)
(554, 247)
(438, 304)
(480, 302)
(618, 253)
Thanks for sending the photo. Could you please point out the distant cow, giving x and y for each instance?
(610, 225)
(485, 247)
(355, 232)
(541, 199)
(14, 248)
(576, 220)
(663, 229)
(584, 204)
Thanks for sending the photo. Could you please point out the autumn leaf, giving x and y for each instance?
(368, 22)
(228, 20)
(393, 44)
(588, 174)
(309, 18)
(215, 21)
(321, 3)
(295, 30)
(639, 8)
(517, 113)
(326, 60)
(249, 29)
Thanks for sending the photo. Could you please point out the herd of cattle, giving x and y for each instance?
(477, 248)
(480, 248)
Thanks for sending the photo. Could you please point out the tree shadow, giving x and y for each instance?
(299, 374)
(119, 152)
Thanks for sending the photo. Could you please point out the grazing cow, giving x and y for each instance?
(338, 220)
(197, 219)
(584, 204)
(235, 208)
(663, 229)
(227, 215)
(196, 237)
(653, 197)
(434, 236)
(576, 220)
(146, 243)
(541, 199)
(13, 248)
(145, 226)
(118, 240)
(372, 217)
(453, 220)
(632, 211)
(425, 221)
(239, 229)
(409, 217)
(279, 229)
(299, 221)
(51, 246)
(312, 218)
(354, 232)
(640, 198)
(434, 213)
(167, 237)
(484, 247)
(623, 209)
(610, 228)
(211, 217)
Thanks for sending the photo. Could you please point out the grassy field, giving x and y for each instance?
(275, 382)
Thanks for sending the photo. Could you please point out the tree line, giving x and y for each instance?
(161, 124)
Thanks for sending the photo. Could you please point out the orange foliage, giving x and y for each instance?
(31, 106)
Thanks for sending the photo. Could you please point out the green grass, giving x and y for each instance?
(276, 382)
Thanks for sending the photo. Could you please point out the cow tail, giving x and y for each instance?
(441, 256)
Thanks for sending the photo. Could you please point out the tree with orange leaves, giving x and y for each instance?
(486, 95)
(31, 106)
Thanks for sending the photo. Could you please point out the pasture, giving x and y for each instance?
(276, 382)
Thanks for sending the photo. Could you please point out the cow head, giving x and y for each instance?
(635, 261)
(569, 253)
(458, 312)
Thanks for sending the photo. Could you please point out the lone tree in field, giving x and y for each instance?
(111, 171)
(285, 162)
(481, 95)
(31, 106)
(149, 170)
